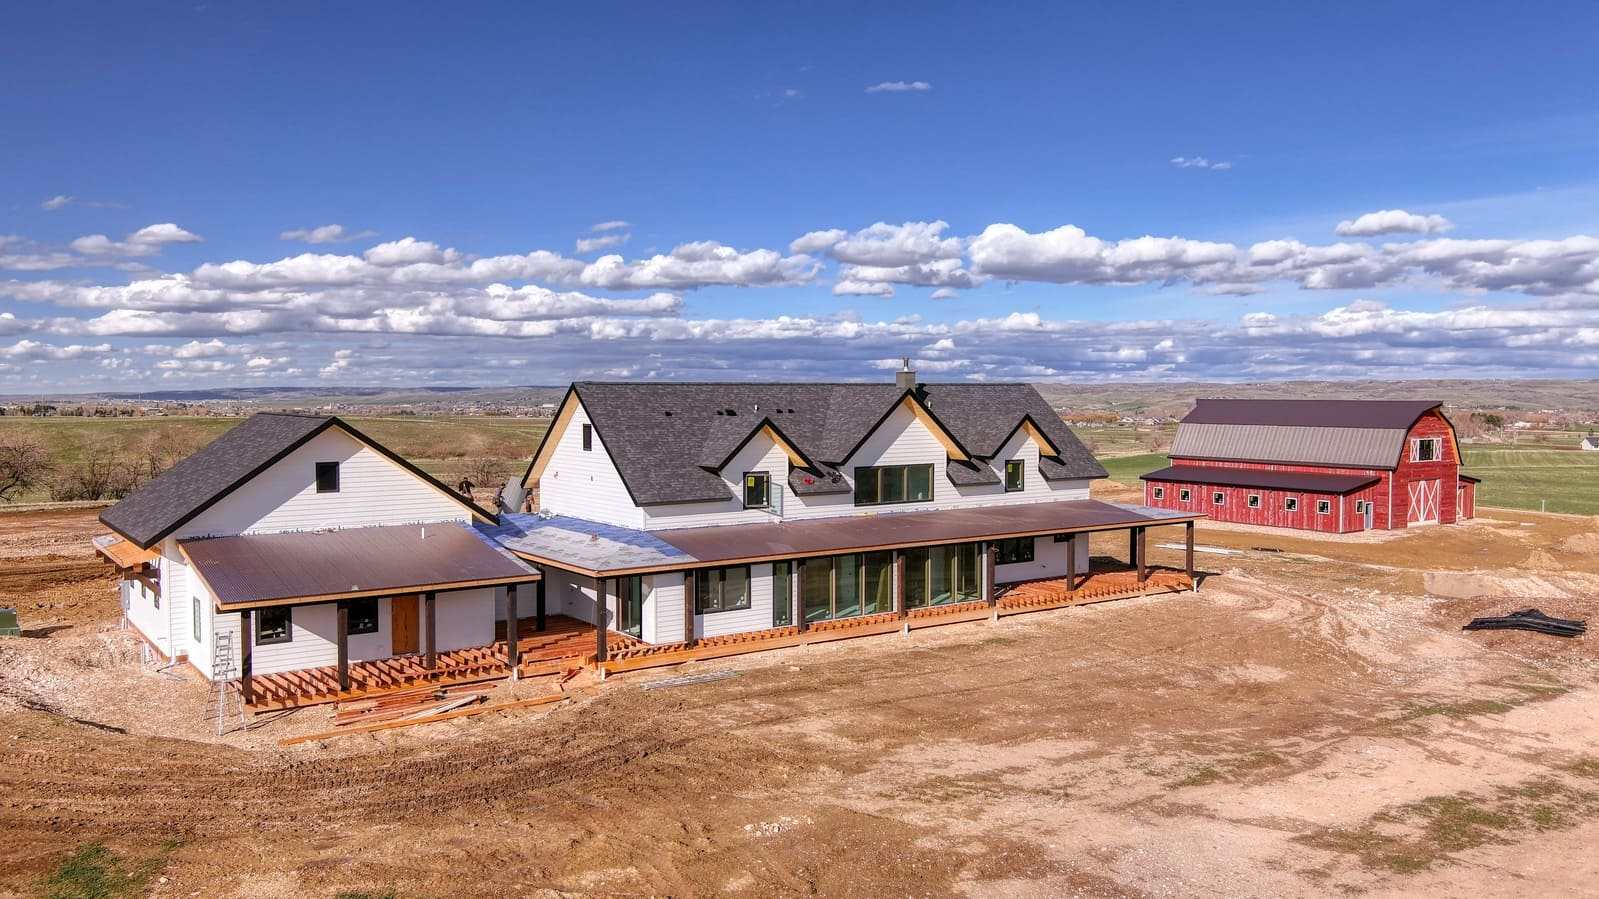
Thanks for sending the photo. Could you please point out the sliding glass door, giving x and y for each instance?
(937, 575)
(847, 586)
(630, 606)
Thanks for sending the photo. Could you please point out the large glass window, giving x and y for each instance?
(941, 574)
(363, 616)
(877, 583)
(274, 625)
(722, 589)
(817, 587)
(782, 594)
(883, 484)
(1008, 552)
(846, 586)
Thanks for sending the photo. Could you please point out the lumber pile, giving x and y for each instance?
(408, 704)
(429, 718)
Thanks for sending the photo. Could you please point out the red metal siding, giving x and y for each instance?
(1445, 471)
(1270, 513)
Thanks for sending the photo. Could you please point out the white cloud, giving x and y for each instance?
(146, 241)
(944, 293)
(700, 264)
(325, 234)
(1068, 255)
(898, 87)
(341, 362)
(613, 225)
(602, 242)
(33, 349)
(410, 251)
(57, 202)
(1393, 221)
(1200, 162)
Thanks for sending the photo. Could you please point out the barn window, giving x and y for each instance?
(1323, 506)
(1183, 494)
(1218, 498)
(1424, 449)
(327, 477)
(588, 438)
(1291, 504)
(1360, 507)
(1254, 500)
(1160, 492)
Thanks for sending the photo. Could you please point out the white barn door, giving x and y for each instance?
(1423, 502)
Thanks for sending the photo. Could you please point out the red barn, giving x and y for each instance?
(1333, 466)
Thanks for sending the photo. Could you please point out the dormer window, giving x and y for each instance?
(1015, 475)
(327, 477)
(757, 490)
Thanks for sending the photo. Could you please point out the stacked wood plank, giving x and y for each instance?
(405, 704)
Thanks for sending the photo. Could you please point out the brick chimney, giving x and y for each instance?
(905, 378)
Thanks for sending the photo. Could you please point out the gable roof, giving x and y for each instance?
(666, 438)
(1341, 433)
(151, 513)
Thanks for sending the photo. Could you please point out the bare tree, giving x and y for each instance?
(23, 465)
(485, 472)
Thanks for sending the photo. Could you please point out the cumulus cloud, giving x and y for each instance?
(1200, 162)
(898, 87)
(700, 264)
(599, 242)
(1069, 255)
(33, 349)
(325, 234)
(410, 251)
(146, 241)
(1392, 221)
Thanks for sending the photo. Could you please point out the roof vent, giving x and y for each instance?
(730, 412)
(905, 378)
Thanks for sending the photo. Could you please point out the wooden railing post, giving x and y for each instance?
(341, 632)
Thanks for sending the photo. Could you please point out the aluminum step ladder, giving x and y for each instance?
(225, 704)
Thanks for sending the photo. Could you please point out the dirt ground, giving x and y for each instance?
(1312, 722)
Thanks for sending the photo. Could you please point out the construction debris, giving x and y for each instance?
(410, 704)
(424, 719)
(689, 679)
(1530, 620)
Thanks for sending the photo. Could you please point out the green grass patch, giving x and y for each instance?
(94, 871)
(1127, 469)
(1516, 477)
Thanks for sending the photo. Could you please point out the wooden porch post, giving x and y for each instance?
(1188, 534)
(342, 634)
(1071, 562)
(690, 590)
(1132, 547)
(513, 648)
(600, 590)
(989, 593)
(899, 584)
(538, 603)
(429, 599)
(247, 638)
(1143, 555)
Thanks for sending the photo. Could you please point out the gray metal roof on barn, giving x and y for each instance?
(1265, 479)
(1345, 433)
(194, 484)
(666, 438)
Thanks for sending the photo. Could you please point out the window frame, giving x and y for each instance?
(783, 603)
(1323, 507)
(1159, 492)
(1185, 495)
(766, 490)
(1252, 501)
(876, 472)
(588, 438)
(702, 584)
(1290, 504)
(377, 613)
(1019, 467)
(195, 612)
(1218, 497)
(1017, 556)
(1437, 449)
(318, 479)
(257, 620)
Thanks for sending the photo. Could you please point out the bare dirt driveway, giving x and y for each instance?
(1312, 722)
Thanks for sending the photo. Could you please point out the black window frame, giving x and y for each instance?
(702, 585)
(322, 468)
(1015, 551)
(1019, 466)
(876, 473)
(354, 616)
(783, 601)
(259, 620)
(765, 477)
(588, 438)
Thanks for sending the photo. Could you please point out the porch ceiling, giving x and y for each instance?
(320, 566)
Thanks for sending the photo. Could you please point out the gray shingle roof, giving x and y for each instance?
(1349, 433)
(156, 509)
(665, 437)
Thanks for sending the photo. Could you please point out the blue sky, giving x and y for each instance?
(166, 168)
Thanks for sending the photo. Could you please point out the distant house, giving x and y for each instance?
(1323, 465)
(1590, 443)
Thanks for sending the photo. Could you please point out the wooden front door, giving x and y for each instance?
(402, 623)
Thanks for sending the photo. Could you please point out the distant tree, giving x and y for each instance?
(23, 465)
(487, 472)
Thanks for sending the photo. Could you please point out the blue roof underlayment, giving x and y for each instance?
(581, 543)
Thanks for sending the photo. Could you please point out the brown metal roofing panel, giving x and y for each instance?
(1350, 447)
(1382, 414)
(846, 533)
(1310, 482)
(265, 567)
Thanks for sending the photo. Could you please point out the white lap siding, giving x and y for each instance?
(585, 483)
(757, 617)
(1049, 560)
(466, 617)
(663, 608)
(372, 491)
(147, 613)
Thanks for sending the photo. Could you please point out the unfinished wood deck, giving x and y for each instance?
(564, 643)
(1105, 581)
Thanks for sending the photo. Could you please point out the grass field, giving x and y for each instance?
(1526, 477)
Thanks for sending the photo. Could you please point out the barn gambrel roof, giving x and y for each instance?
(1342, 433)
